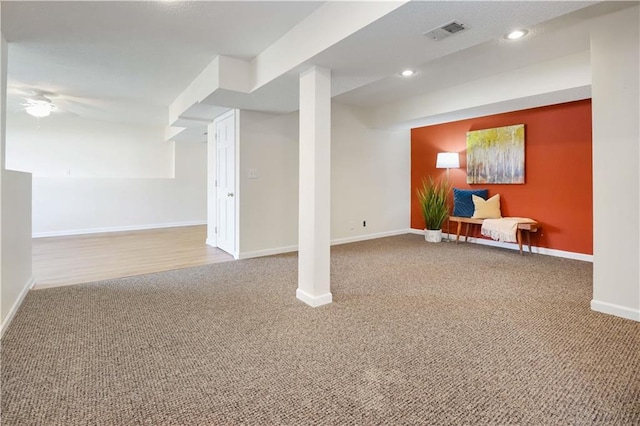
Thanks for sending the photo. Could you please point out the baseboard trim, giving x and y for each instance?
(335, 242)
(617, 310)
(68, 232)
(513, 246)
(12, 312)
(314, 301)
(268, 252)
(366, 237)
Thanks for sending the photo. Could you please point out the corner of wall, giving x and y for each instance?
(16, 275)
(6, 319)
(615, 310)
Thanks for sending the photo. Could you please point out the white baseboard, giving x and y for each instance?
(335, 242)
(366, 237)
(314, 301)
(67, 232)
(12, 312)
(514, 246)
(267, 252)
(617, 310)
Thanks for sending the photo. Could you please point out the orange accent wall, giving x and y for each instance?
(558, 171)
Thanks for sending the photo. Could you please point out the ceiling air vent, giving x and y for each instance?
(446, 30)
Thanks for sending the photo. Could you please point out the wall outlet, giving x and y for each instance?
(252, 173)
(364, 223)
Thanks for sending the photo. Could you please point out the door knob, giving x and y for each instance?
(230, 194)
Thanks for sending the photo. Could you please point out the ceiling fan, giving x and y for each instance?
(38, 106)
(38, 103)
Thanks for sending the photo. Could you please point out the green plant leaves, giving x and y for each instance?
(433, 198)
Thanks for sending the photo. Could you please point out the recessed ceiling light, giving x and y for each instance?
(516, 34)
(407, 73)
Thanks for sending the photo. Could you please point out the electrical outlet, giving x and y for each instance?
(364, 223)
(252, 173)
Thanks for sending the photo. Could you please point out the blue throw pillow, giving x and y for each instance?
(462, 202)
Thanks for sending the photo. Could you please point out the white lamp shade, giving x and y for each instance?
(448, 160)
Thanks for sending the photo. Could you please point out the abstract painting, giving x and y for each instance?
(496, 155)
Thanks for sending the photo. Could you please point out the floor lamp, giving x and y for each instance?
(448, 160)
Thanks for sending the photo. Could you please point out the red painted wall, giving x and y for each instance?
(558, 171)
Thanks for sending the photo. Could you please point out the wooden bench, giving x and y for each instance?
(529, 226)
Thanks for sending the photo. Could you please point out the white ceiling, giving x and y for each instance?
(130, 60)
(127, 61)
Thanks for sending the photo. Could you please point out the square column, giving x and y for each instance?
(314, 231)
(615, 66)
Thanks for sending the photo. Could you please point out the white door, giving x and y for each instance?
(226, 183)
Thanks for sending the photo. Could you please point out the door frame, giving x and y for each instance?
(212, 204)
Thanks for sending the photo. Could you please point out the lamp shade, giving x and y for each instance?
(448, 160)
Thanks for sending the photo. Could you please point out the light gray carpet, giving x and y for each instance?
(418, 334)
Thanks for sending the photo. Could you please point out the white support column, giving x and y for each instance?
(315, 184)
(615, 66)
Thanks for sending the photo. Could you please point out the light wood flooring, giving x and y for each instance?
(84, 258)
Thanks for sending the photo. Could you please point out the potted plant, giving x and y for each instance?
(433, 198)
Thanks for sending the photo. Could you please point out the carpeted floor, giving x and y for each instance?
(418, 333)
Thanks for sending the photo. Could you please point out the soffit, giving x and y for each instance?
(126, 61)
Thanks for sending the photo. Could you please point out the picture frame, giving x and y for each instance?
(496, 155)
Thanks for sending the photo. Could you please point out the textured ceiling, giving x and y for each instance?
(134, 58)
(547, 39)
(127, 61)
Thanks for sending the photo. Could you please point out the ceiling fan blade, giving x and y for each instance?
(27, 91)
(65, 112)
(36, 96)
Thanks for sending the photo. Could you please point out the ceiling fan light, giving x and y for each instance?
(39, 110)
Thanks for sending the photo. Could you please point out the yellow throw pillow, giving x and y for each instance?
(486, 209)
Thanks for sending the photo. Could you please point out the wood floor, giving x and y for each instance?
(84, 258)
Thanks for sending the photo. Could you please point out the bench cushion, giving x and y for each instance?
(462, 203)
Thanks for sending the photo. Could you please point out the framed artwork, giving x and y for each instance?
(496, 155)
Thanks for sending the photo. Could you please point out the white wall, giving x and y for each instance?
(62, 145)
(15, 218)
(4, 51)
(68, 205)
(615, 61)
(370, 180)
(268, 143)
(16, 274)
(370, 177)
(97, 176)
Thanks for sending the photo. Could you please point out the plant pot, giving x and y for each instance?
(433, 236)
